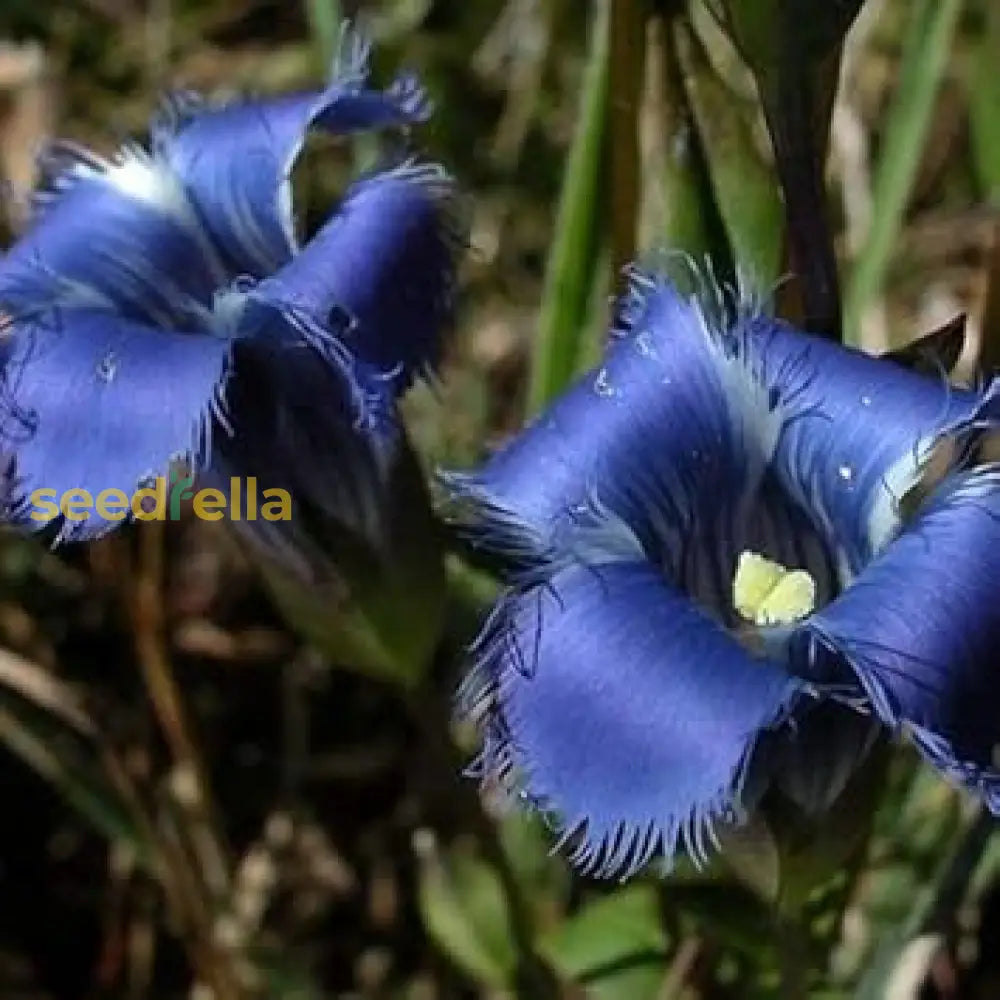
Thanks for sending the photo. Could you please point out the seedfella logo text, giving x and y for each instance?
(160, 500)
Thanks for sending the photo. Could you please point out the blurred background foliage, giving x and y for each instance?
(203, 800)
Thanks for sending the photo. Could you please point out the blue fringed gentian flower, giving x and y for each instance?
(733, 563)
(160, 308)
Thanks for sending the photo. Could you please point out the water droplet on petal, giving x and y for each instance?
(644, 343)
(866, 401)
(107, 367)
(846, 473)
(602, 384)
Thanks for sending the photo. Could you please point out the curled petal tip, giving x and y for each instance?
(387, 259)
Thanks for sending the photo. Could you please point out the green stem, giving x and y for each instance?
(627, 46)
(793, 957)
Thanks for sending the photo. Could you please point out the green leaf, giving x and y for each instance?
(543, 877)
(925, 55)
(746, 190)
(325, 18)
(381, 607)
(679, 208)
(614, 945)
(572, 263)
(464, 910)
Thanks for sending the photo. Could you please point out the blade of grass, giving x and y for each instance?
(925, 55)
(62, 764)
(746, 190)
(984, 128)
(38, 685)
(572, 262)
(325, 18)
(679, 209)
(984, 104)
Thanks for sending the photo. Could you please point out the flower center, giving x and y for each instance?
(766, 593)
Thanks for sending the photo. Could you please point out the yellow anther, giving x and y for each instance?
(766, 593)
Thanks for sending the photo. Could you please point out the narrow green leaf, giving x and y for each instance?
(925, 55)
(325, 19)
(543, 877)
(984, 103)
(572, 263)
(679, 209)
(746, 190)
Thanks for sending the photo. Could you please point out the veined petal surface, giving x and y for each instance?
(672, 438)
(95, 402)
(386, 262)
(116, 236)
(920, 629)
(236, 160)
(646, 437)
(612, 702)
(858, 433)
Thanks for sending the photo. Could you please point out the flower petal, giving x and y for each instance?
(642, 436)
(610, 700)
(672, 436)
(387, 260)
(858, 434)
(116, 236)
(236, 160)
(920, 628)
(96, 402)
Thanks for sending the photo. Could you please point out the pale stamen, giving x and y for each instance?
(767, 593)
